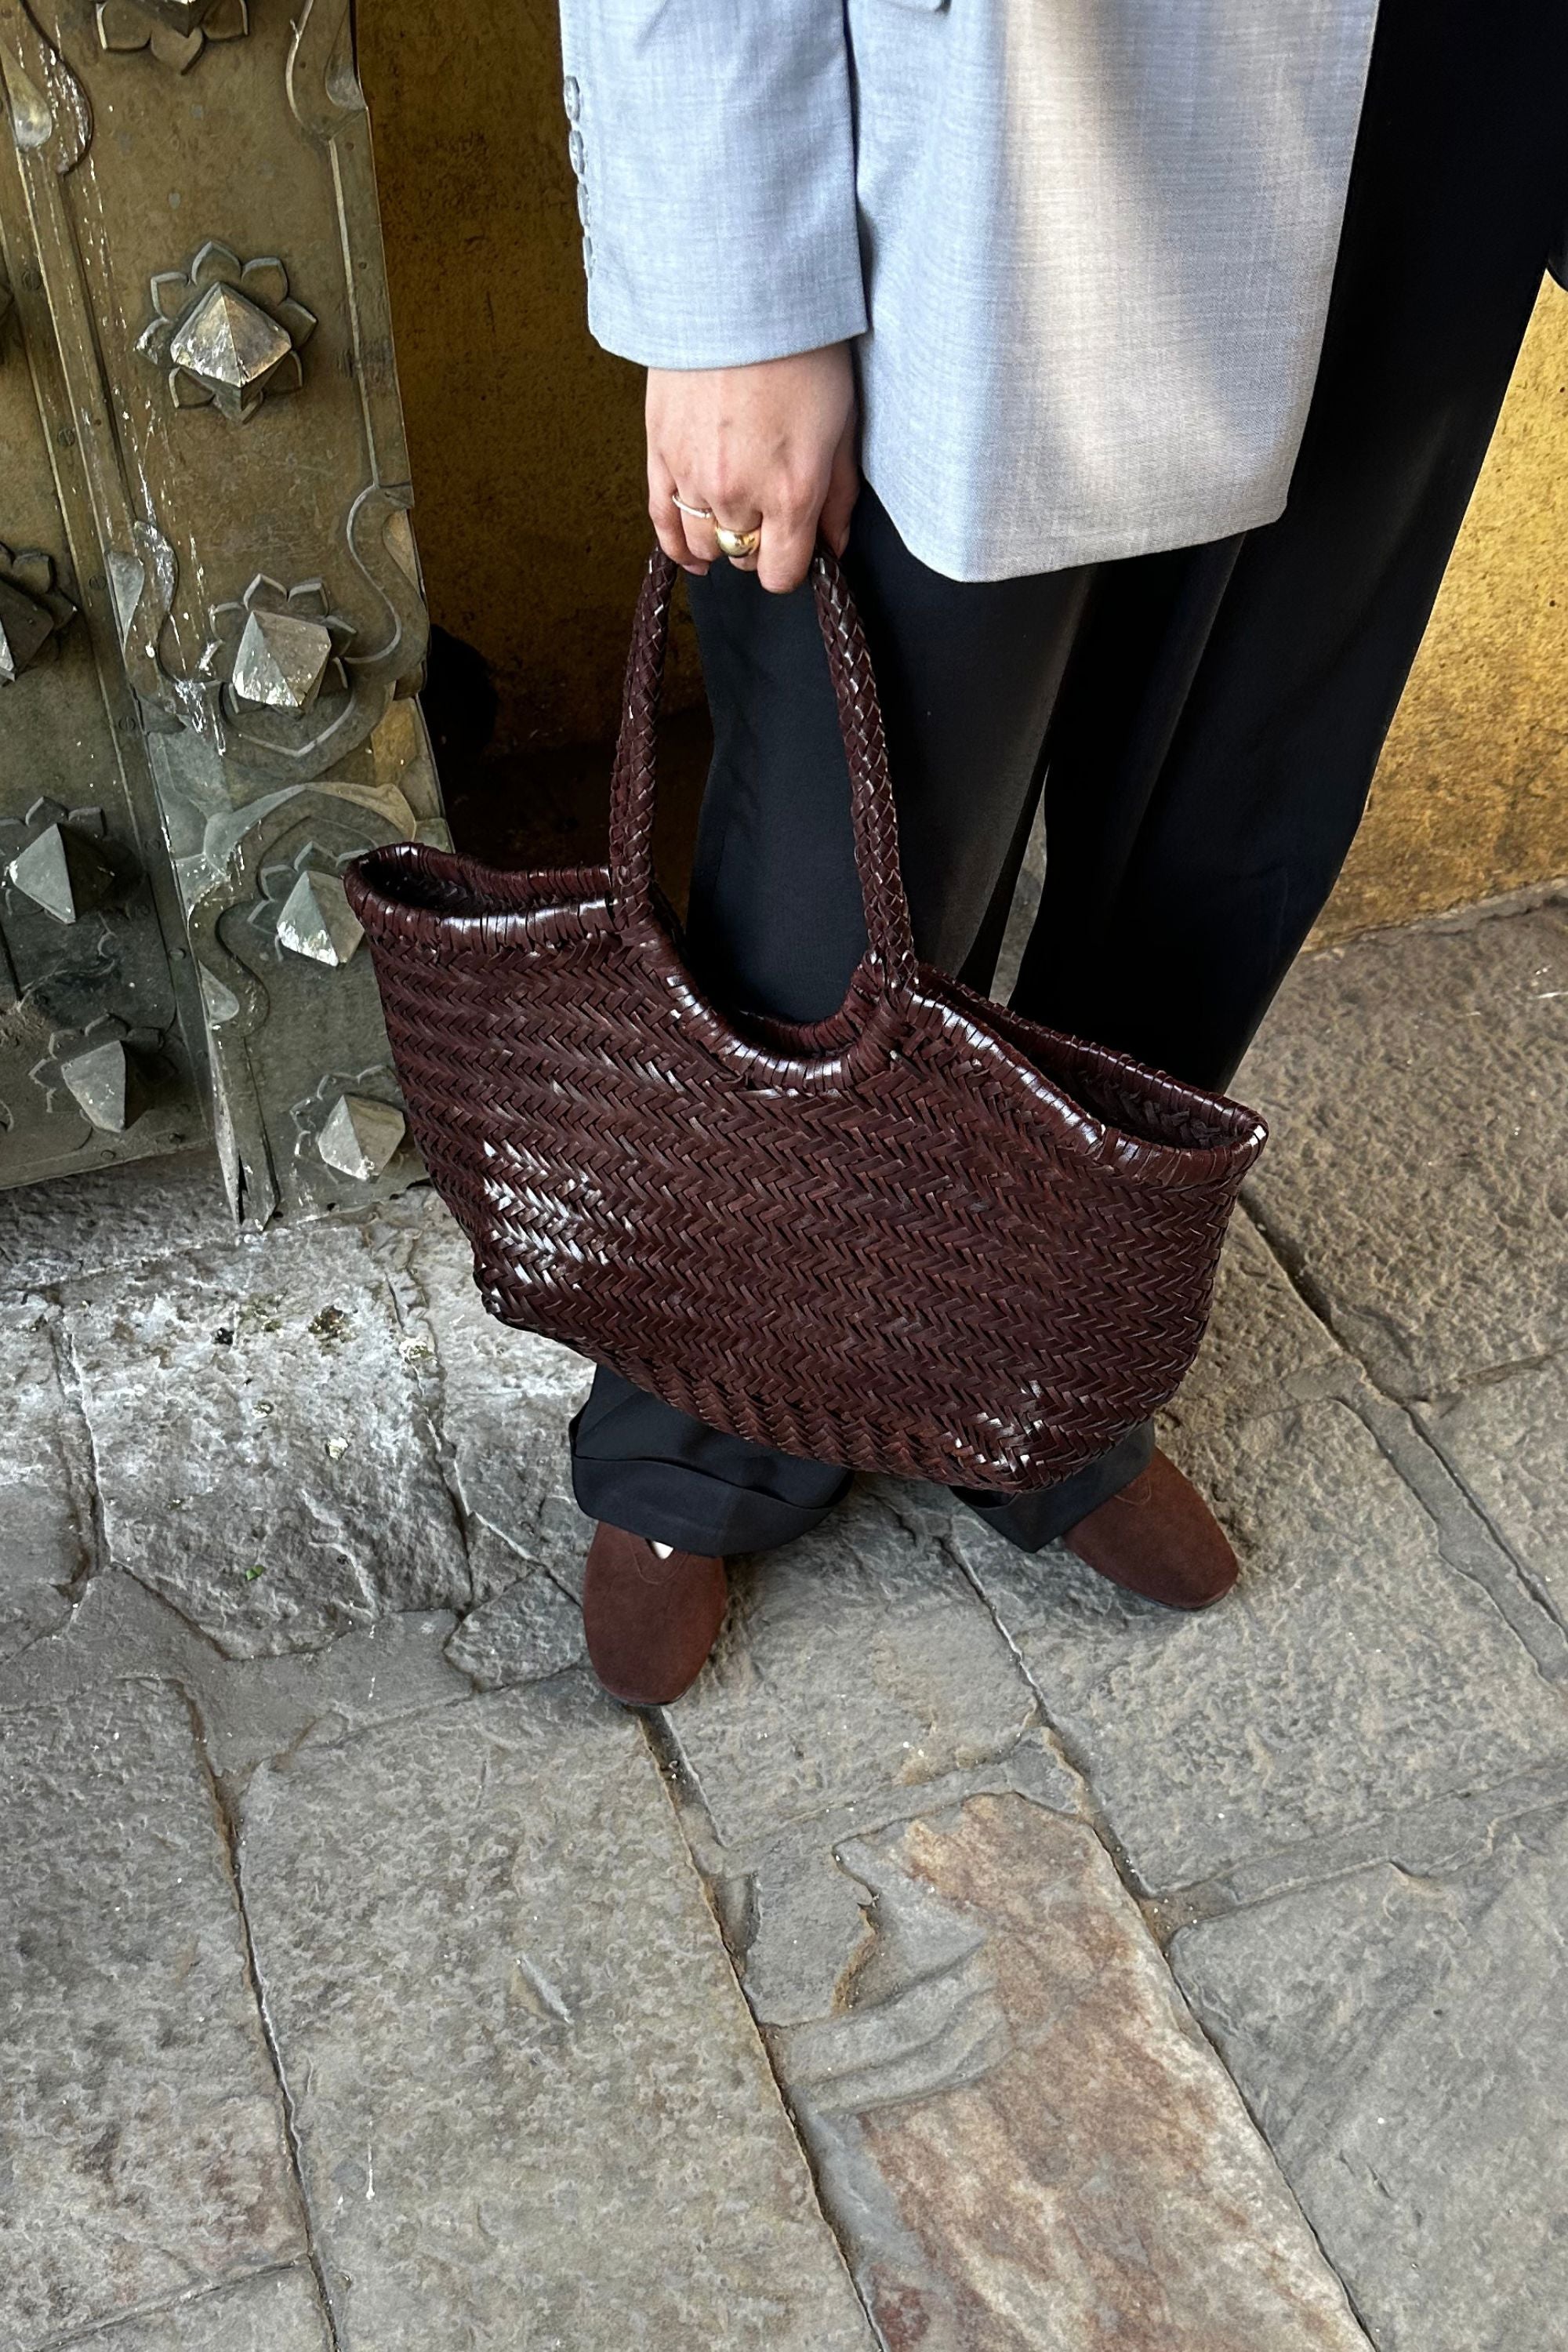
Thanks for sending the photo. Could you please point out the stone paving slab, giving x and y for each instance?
(1355, 1671)
(1431, 1840)
(247, 1709)
(1350, 1675)
(279, 2313)
(1021, 2137)
(140, 2123)
(1402, 2040)
(1415, 1083)
(857, 1656)
(264, 1452)
(528, 1630)
(532, 2105)
(109, 1219)
(45, 1545)
(1508, 1442)
(506, 1398)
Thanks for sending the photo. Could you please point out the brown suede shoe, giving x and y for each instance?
(1158, 1537)
(650, 1622)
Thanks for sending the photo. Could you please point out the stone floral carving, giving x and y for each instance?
(279, 652)
(305, 909)
(32, 611)
(177, 31)
(229, 332)
(359, 1136)
(112, 1072)
(63, 871)
(353, 1122)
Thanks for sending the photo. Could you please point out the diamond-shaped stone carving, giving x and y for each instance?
(107, 1087)
(230, 347)
(25, 629)
(280, 661)
(316, 921)
(359, 1136)
(31, 611)
(177, 31)
(227, 331)
(62, 872)
(279, 651)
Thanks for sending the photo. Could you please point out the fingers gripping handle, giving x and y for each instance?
(634, 782)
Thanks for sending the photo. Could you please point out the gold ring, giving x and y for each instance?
(736, 542)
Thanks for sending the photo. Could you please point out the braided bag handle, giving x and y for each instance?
(634, 782)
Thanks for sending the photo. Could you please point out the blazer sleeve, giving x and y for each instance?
(713, 143)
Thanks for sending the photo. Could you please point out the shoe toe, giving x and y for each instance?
(650, 1622)
(1158, 1538)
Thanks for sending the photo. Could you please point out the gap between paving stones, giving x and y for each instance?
(80, 1452)
(1414, 1454)
(389, 1244)
(132, 2320)
(729, 1879)
(1430, 1425)
(228, 1831)
(1416, 1464)
(1058, 1783)
(1441, 1836)
(685, 1803)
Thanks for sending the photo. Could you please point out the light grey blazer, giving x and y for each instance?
(1084, 246)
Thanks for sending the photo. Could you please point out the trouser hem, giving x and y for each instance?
(670, 1502)
(1036, 1517)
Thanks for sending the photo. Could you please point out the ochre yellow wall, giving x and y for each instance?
(527, 468)
(1472, 795)
(531, 512)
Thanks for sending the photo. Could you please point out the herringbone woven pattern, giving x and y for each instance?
(925, 1236)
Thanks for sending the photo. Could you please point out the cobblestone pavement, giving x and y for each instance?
(977, 1959)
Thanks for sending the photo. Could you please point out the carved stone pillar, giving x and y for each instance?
(211, 622)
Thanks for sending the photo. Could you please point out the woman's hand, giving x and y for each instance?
(769, 446)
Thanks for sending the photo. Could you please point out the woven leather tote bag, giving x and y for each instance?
(923, 1236)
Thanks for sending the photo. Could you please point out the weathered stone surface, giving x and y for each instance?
(529, 1630)
(1021, 2135)
(506, 1398)
(857, 1656)
(43, 1544)
(1401, 2040)
(248, 1710)
(1353, 1672)
(807, 1933)
(1507, 1440)
(111, 1217)
(264, 1457)
(141, 2130)
(1415, 1083)
(531, 2101)
(279, 2313)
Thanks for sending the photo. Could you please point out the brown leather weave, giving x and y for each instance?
(924, 1236)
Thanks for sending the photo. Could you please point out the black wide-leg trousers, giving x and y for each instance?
(1203, 723)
